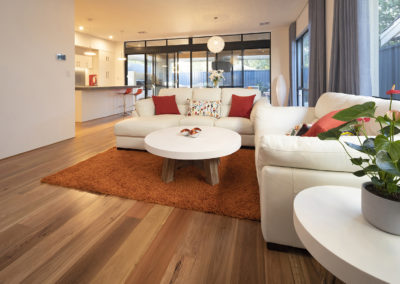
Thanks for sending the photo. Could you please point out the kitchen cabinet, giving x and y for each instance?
(106, 68)
(82, 61)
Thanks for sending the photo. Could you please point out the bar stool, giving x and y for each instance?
(138, 92)
(128, 91)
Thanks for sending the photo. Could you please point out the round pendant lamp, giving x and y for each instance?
(215, 44)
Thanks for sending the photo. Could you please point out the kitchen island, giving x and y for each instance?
(93, 102)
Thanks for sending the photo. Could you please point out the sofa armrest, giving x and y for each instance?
(145, 107)
(306, 153)
(260, 106)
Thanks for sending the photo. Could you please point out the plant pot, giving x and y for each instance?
(380, 212)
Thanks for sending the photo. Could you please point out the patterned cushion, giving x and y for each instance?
(205, 108)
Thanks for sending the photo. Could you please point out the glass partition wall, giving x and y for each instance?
(186, 63)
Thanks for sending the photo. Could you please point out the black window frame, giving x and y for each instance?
(190, 47)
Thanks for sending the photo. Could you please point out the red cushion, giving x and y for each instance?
(165, 105)
(325, 123)
(241, 106)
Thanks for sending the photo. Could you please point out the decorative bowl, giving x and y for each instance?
(185, 132)
(194, 133)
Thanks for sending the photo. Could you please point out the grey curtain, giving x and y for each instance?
(317, 75)
(344, 69)
(292, 65)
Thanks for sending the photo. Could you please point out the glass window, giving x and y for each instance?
(136, 69)
(224, 62)
(184, 69)
(211, 66)
(150, 88)
(135, 44)
(172, 70)
(237, 68)
(389, 48)
(231, 38)
(262, 36)
(156, 42)
(178, 41)
(303, 60)
(199, 69)
(256, 65)
(200, 40)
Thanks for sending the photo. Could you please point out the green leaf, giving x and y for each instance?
(385, 163)
(386, 131)
(371, 169)
(335, 133)
(366, 150)
(364, 110)
(383, 120)
(391, 187)
(359, 173)
(369, 146)
(393, 148)
(357, 161)
(377, 182)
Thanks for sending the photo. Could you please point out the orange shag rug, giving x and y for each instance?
(137, 175)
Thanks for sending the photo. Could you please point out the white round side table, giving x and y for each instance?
(329, 222)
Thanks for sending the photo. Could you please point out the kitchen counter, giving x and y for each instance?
(80, 88)
(96, 102)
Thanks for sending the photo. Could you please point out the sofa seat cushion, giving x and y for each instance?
(141, 126)
(306, 153)
(240, 125)
(196, 120)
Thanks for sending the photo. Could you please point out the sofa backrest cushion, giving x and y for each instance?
(226, 97)
(181, 96)
(145, 107)
(334, 101)
(206, 94)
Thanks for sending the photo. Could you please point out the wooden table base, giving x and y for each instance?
(210, 167)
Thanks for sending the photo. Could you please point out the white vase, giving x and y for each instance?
(380, 212)
(281, 90)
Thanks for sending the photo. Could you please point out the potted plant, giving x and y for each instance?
(379, 160)
(216, 76)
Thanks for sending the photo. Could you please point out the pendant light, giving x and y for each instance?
(216, 44)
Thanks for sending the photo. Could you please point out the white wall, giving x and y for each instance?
(36, 90)
(279, 59)
(119, 65)
(302, 21)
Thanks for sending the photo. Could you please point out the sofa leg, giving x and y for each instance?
(283, 248)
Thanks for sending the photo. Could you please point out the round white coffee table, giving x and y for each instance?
(329, 222)
(212, 143)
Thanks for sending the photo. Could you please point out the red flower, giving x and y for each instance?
(365, 119)
(392, 91)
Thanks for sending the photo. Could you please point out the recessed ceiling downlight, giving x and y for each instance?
(142, 32)
(264, 23)
(81, 28)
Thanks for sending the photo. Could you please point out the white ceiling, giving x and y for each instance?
(181, 18)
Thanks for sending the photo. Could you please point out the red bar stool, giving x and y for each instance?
(138, 92)
(128, 91)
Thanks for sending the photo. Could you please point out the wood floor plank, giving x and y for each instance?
(44, 250)
(162, 249)
(128, 255)
(59, 263)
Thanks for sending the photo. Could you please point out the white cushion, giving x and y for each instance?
(141, 126)
(145, 107)
(181, 96)
(206, 94)
(226, 97)
(197, 120)
(240, 125)
(306, 153)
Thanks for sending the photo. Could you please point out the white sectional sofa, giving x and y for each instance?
(130, 133)
(287, 165)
